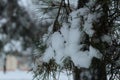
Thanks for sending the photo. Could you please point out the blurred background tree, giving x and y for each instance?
(18, 33)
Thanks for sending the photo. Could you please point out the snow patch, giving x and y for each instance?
(106, 38)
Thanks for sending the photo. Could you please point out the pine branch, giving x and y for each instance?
(56, 23)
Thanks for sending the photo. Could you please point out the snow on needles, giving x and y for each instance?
(69, 40)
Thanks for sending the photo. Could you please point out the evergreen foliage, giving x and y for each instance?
(103, 37)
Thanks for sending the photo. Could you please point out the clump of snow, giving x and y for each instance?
(67, 41)
(49, 54)
(88, 25)
(94, 52)
(81, 59)
(74, 36)
(106, 38)
(67, 44)
(88, 29)
(57, 41)
(65, 31)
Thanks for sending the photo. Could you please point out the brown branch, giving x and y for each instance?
(55, 25)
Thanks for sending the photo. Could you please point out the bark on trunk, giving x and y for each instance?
(4, 66)
(98, 69)
(102, 71)
(76, 74)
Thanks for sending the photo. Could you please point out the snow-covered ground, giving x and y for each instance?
(24, 75)
(15, 75)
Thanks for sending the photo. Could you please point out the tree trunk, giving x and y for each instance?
(4, 66)
(102, 71)
(98, 69)
(76, 73)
